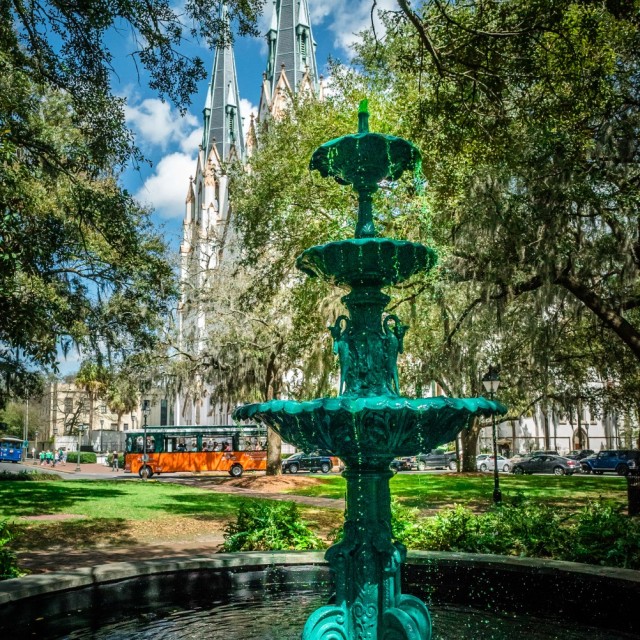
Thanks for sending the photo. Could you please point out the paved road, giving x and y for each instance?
(102, 472)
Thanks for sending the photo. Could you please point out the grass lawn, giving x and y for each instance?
(122, 513)
(433, 491)
(111, 499)
(127, 513)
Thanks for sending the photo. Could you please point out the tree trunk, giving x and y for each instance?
(469, 439)
(274, 451)
(545, 415)
(274, 441)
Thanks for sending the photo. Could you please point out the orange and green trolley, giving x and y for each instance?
(171, 449)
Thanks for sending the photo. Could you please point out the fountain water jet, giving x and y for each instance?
(369, 423)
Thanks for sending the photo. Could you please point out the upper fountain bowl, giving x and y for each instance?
(377, 262)
(364, 159)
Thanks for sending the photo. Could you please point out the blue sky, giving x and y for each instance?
(171, 141)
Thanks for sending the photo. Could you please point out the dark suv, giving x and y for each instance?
(307, 462)
(620, 461)
(436, 460)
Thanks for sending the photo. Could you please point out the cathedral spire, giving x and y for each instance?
(291, 44)
(222, 123)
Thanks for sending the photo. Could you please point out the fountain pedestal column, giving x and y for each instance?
(368, 603)
(369, 423)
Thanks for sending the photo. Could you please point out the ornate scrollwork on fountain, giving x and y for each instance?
(369, 423)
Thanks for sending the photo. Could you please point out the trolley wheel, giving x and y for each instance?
(149, 471)
(325, 468)
(236, 470)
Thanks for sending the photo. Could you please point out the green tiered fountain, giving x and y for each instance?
(369, 423)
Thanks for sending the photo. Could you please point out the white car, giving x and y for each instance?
(484, 462)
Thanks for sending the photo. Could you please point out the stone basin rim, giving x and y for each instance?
(17, 589)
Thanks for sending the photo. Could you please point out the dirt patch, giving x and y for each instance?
(273, 484)
(176, 528)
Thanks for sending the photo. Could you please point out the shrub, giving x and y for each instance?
(28, 476)
(86, 457)
(8, 560)
(265, 525)
(602, 535)
(597, 534)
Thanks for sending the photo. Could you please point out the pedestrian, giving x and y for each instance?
(114, 461)
(42, 456)
(64, 457)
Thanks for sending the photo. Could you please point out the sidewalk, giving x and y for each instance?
(86, 469)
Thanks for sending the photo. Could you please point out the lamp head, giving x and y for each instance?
(491, 379)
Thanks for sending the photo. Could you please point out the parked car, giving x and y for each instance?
(437, 460)
(484, 462)
(307, 462)
(525, 456)
(579, 454)
(545, 463)
(620, 461)
(403, 464)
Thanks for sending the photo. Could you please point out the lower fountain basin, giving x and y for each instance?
(267, 596)
(349, 427)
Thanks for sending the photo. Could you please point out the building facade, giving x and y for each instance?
(208, 227)
(557, 431)
(65, 406)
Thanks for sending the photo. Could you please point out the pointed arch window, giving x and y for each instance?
(303, 44)
(231, 123)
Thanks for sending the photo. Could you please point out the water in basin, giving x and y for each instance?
(257, 615)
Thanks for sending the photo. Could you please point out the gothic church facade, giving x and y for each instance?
(208, 227)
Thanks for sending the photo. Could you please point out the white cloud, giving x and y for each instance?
(157, 124)
(346, 18)
(358, 18)
(166, 188)
(246, 109)
(189, 144)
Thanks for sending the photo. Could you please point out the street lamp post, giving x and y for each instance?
(491, 382)
(81, 428)
(101, 430)
(25, 438)
(145, 412)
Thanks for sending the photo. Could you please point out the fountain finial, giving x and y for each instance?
(363, 160)
(363, 116)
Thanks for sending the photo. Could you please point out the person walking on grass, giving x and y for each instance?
(114, 462)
